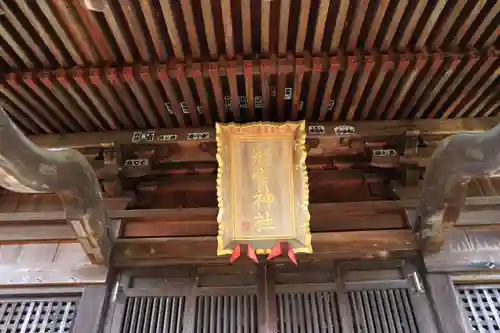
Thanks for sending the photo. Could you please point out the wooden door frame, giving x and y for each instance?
(445, 301)
(187, 287)
(419, 297)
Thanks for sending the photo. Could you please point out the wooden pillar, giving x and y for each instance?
(266, 299)
(445, 304)
(345, 313)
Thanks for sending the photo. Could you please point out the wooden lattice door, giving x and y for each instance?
(181, 301)
(42, 315)
(480, 306)
(309, 298)
(309, 311)
(466, 303)
(56, 309)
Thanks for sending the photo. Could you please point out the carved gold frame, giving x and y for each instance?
(300, 149)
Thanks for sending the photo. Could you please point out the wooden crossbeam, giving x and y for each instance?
(275, 64)
(322, 130)
(19, 233)
(331, 145)
(207, 216)
(169, 250)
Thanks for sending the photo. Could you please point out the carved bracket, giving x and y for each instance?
(457, 160)
(24, 167)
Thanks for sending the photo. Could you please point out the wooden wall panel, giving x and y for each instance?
(47, 264)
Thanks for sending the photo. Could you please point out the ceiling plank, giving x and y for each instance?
(451, 87)
(319, 29)
(44, 34)
(484, 25)
(472, 83)
(71, 19)
(359, 17)
(305, 8)
(283, 26)
(28, 39)
(18, 49)
(136, 28)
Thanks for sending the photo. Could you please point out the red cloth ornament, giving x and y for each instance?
(236, 253)
(251, 254)
(276, 251)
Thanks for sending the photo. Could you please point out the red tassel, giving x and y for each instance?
(251, 254)
(275, 251)
(291, 255)
(236, 253)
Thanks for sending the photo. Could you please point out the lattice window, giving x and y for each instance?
(481, 306)
(382, 311)
(216, 314)
(37, 316)
(308, 312)
(154, 314)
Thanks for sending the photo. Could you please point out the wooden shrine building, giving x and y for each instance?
(109, 173)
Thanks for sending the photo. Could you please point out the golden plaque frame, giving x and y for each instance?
(232, 139)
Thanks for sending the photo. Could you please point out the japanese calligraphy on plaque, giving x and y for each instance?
(262, 188)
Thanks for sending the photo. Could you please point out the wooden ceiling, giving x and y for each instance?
(160, 63)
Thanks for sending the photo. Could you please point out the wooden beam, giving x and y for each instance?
(362, 129)
(391, 57)
(161, 250)
(324, 218)
(341, 207)
(35, 227)
(486, 216)
(18, 233)
(467, 249)
(186, 214)
(266, 298)
(35, 208)
(329, 217)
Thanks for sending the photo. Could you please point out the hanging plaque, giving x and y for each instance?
(262, 189)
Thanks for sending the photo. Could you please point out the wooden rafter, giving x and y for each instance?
(178, 94)
(190, 29)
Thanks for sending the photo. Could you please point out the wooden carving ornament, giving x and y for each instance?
(27, 168)
(457, 160)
